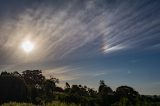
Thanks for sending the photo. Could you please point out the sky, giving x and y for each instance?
(84, 41)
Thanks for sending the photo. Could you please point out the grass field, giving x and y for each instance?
(65, 104)
(49, 104)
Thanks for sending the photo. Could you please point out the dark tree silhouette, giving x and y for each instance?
(17, 74)
(12, 88)
(31, 86)
(126, 91)
(67, 85)
(33, 77)
(67, 88)
(104, 89)
(4, 73)
(49, 85)
(106, 94)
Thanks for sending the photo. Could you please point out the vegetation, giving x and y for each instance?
(17, 104)
(31, 88)
(49, 104)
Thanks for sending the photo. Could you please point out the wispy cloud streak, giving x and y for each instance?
(59, 29)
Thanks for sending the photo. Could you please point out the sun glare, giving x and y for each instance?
(27, 46)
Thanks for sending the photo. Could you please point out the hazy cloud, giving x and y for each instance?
(61, 28)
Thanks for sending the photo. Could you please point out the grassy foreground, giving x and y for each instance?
(49, 104)
(55, 103)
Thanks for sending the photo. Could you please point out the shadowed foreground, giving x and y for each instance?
(49, 104)
(31, 88)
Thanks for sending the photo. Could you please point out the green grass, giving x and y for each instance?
(17, 104)
(55, 103)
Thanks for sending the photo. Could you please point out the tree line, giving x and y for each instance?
(31, 86)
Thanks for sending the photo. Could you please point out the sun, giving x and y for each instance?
(27, 46)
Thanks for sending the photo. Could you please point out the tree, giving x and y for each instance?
(92, 92)
(104, 89)
(33, 77)
(4, 73)
(67, 85)
(67, 88)
(106, 94)
(49, 86)
(12, 88)
(126, 91)
(34, 80)
(17, 74)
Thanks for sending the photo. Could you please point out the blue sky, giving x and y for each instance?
(84, 41)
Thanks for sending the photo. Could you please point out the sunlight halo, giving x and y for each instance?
(27, 46)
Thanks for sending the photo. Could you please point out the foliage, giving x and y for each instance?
(55, 103)
(32, 87)
(33, 77)
(12, 88)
